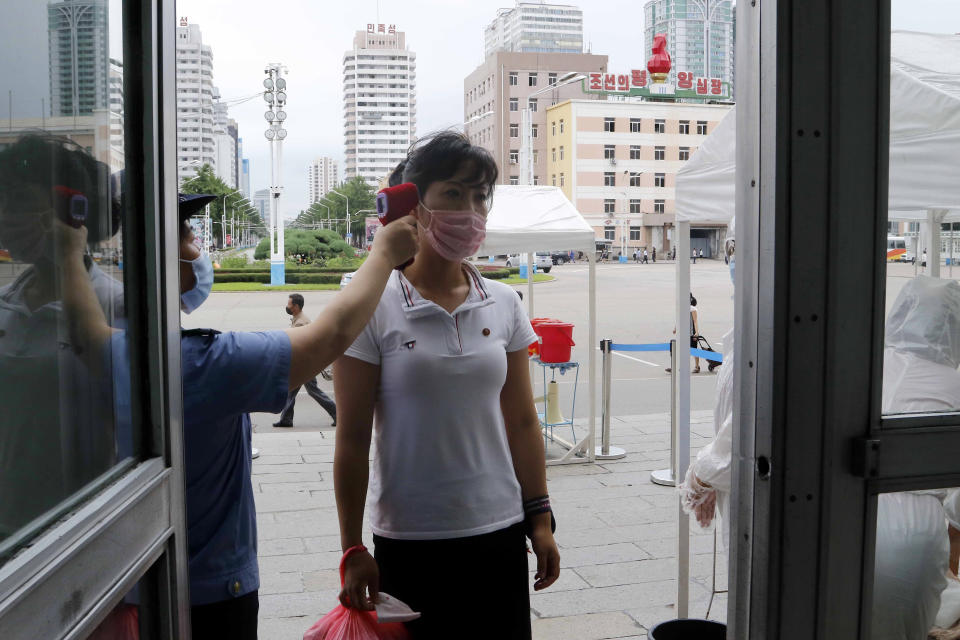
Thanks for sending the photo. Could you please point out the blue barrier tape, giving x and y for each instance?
(707, 355)
(663, 346)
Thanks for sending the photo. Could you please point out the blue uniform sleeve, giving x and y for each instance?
(235, 372)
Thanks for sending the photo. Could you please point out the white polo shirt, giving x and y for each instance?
(442, 466)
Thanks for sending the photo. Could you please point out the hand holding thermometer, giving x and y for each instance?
(70, 205)
(394, 203)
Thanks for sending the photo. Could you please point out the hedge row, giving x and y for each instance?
(291, 278)
(255, 270)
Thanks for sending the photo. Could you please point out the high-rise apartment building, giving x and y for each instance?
(379, 102)
(115, 105)
(617, 162)
(497, 92)
(79, 56)
(321, 178)
(244, 185)
(535, 27)
(196, 144)
(688, 24)
(261, 202)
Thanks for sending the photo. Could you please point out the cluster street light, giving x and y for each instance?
(349, 236)
(526, 126)
(276, 98)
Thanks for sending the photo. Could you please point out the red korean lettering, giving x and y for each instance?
(623, 82)
(701, 86)
(610, 82)
(392, 29)
(716, 86)
(684, 80)
(370, 27)
(381, 28)
(596, 81)
(639, 77)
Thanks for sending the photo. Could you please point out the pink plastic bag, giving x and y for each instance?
(352, 624)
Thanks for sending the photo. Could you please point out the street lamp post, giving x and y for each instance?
(349, 230)
(276, 99)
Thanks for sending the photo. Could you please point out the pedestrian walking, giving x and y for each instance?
(654, 253)
(636, 255)
(645, 257)
(701, 254)
(298, 319)
(694, 256)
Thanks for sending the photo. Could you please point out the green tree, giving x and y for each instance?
(237, 208)
(362, 198)
(312, 243)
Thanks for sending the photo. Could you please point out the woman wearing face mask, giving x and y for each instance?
(458, 478)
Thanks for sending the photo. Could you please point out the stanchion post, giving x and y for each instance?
(667, 477)
(605, 451)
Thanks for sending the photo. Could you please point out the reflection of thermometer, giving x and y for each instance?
(71, 205)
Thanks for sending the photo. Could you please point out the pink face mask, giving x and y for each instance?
(454, 235)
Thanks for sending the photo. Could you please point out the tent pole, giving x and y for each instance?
(530, 255)
(592, 354)
(683, 412)
(934, 216)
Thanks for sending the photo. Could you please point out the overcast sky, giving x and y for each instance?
(310, 37)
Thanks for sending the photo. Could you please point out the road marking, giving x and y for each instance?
(622, 355)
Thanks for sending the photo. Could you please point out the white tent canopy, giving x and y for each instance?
(525, 217)
(534, 218)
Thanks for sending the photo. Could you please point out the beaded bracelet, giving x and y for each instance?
(536, 506)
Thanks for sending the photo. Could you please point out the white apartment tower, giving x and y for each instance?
(79, 59)
(687, 24)
(379, 102)
(535, 27)
(321, 178)
(196, 143)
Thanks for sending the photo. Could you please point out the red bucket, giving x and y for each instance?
(534, 348)
(556, 338)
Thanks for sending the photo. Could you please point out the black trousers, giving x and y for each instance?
(481, 577)
(235, 619)
(325, 401)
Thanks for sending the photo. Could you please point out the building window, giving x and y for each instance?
(608, 124)
(536, 156)
(659, 126)
(553, 179)
(659, 153)
(609, 233)
(634, 125)
(532, 79)
(685, 126)
(532, 103)
(514, 104)
(634, 205)
(563, 182)
(553, 128)
(514, 78)
(634, 152)
(553, 153)
(609, 179)
(514, 157)
(514, 180)
(635, 231)
(561, 125)
(609, 152)
(634, 179)
(552, 78)
(684, 153)
(701, 127)
(533, 130)
(514, 131)
(659, 180)
(561, 152)
(659, 206)
(536, 180)
(609, 205)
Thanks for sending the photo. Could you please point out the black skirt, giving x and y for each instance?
(473, 587)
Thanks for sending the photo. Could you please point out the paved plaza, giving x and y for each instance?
(616, 530)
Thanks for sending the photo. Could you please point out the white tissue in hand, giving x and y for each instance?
(389, 609)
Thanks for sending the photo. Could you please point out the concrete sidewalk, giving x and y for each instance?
(616, 530)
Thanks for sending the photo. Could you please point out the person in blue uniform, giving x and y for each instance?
(219, 391)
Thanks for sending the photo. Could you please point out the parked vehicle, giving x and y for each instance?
(346, 278)
(560, 257)
(541, 259)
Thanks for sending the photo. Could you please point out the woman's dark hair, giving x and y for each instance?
(37, 162)
(693, 301)
(439, 156)
(396, 176)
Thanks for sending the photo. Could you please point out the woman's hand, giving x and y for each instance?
(360, 576)
(548, 556)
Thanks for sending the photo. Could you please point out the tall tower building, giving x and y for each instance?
(79, 56)
(244, 169)
(379, 102)
(535, 27)
(321, 178)
(196, 144)
(686, 25)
